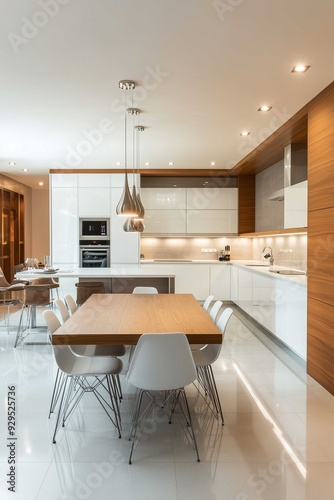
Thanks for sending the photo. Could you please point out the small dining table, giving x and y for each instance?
(122, 318)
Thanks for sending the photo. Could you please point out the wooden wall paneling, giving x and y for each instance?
(321, 152)
(246, 203)
(320, 255)
(320, 343)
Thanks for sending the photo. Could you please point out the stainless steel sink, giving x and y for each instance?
(287, 272)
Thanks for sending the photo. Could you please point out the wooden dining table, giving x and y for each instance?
(122, 318)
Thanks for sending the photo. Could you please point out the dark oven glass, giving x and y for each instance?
(94, 258)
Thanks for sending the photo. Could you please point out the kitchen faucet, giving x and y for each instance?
(269, 255)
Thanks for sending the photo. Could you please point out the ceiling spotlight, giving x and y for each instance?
(245, 133)
(171, 163)
(147, 163)
(118, 163)
(213, 163)
(25, 170)
(300, 68)
(41, 183)
(265, 107)
(11, 163)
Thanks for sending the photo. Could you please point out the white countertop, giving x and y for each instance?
(98, 272)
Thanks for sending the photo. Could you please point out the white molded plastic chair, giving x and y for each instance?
(215, 309)
(205, 357)
(71, 304)
(207, 302)
(85, 374)
(62, 309)
(162, 362)
(145, 289)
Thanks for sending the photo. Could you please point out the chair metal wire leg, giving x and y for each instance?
(57, 388)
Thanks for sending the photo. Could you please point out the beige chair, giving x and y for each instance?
(86, 288)
(10, 296)
(50, 282)
(71, 304)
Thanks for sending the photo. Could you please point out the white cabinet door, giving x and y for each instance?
(164, 198)
(192, 278)
(220, 281)
(235, 284)
(245, 285)
(212, 198)
(296, 318)
(124, 247)
(93, 181)
(212, 221)
(64, 180)
(64, 227)
(94, 201)
(164, 221)
(263, 304)
(295, 205)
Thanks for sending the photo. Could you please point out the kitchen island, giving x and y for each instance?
(116, 279)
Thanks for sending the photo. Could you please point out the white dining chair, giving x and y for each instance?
(162, 365)
(85, 374)
(215, 309)
(145, 289)
(204, 358)
(207, 302)
(71, 304)
(62, 309)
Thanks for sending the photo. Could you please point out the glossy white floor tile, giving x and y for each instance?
(276, 442)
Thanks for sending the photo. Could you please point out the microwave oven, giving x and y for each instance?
(94, 229)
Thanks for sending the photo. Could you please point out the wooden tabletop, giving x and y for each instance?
(123, 318)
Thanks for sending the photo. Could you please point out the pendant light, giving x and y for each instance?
(126, 205)
(140, 206)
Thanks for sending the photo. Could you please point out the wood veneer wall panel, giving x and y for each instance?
(246, 203)
(320, 255)
(320, 343)
(321, 152)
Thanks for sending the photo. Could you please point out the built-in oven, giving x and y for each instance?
(94, 229)
(94, 253)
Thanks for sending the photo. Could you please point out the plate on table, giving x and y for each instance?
(49, 271)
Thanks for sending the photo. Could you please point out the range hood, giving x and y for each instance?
(295, 168)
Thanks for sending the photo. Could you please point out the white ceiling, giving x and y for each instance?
(215, 62)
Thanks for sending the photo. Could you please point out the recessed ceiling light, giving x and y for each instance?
(11, 163)
(118, 163)
(245, 133)
(213, 163)
(25, 170)
(300, 68)
(41, 183)
(147, 163)
(171, 163)
(265, 107)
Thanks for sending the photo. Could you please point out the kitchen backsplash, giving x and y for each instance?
(288, 250)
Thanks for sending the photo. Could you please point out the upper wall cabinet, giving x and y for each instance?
(190, 210)
(295, 205)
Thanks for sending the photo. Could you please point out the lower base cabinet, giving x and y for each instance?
(279, 306)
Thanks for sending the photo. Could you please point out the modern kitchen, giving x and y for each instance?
(244, 220)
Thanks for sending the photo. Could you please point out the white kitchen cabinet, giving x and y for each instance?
(64, 226)
(263, 301)
(295, 205)
(220, 281)
(296, 318)
(93, 181)
(64, 180)
(212, 198)
(164, 221)
(164, 198)
(235, 284)
(245, 286)
(212, 221)
(124, 247)
(192, 278)
(94, 201)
